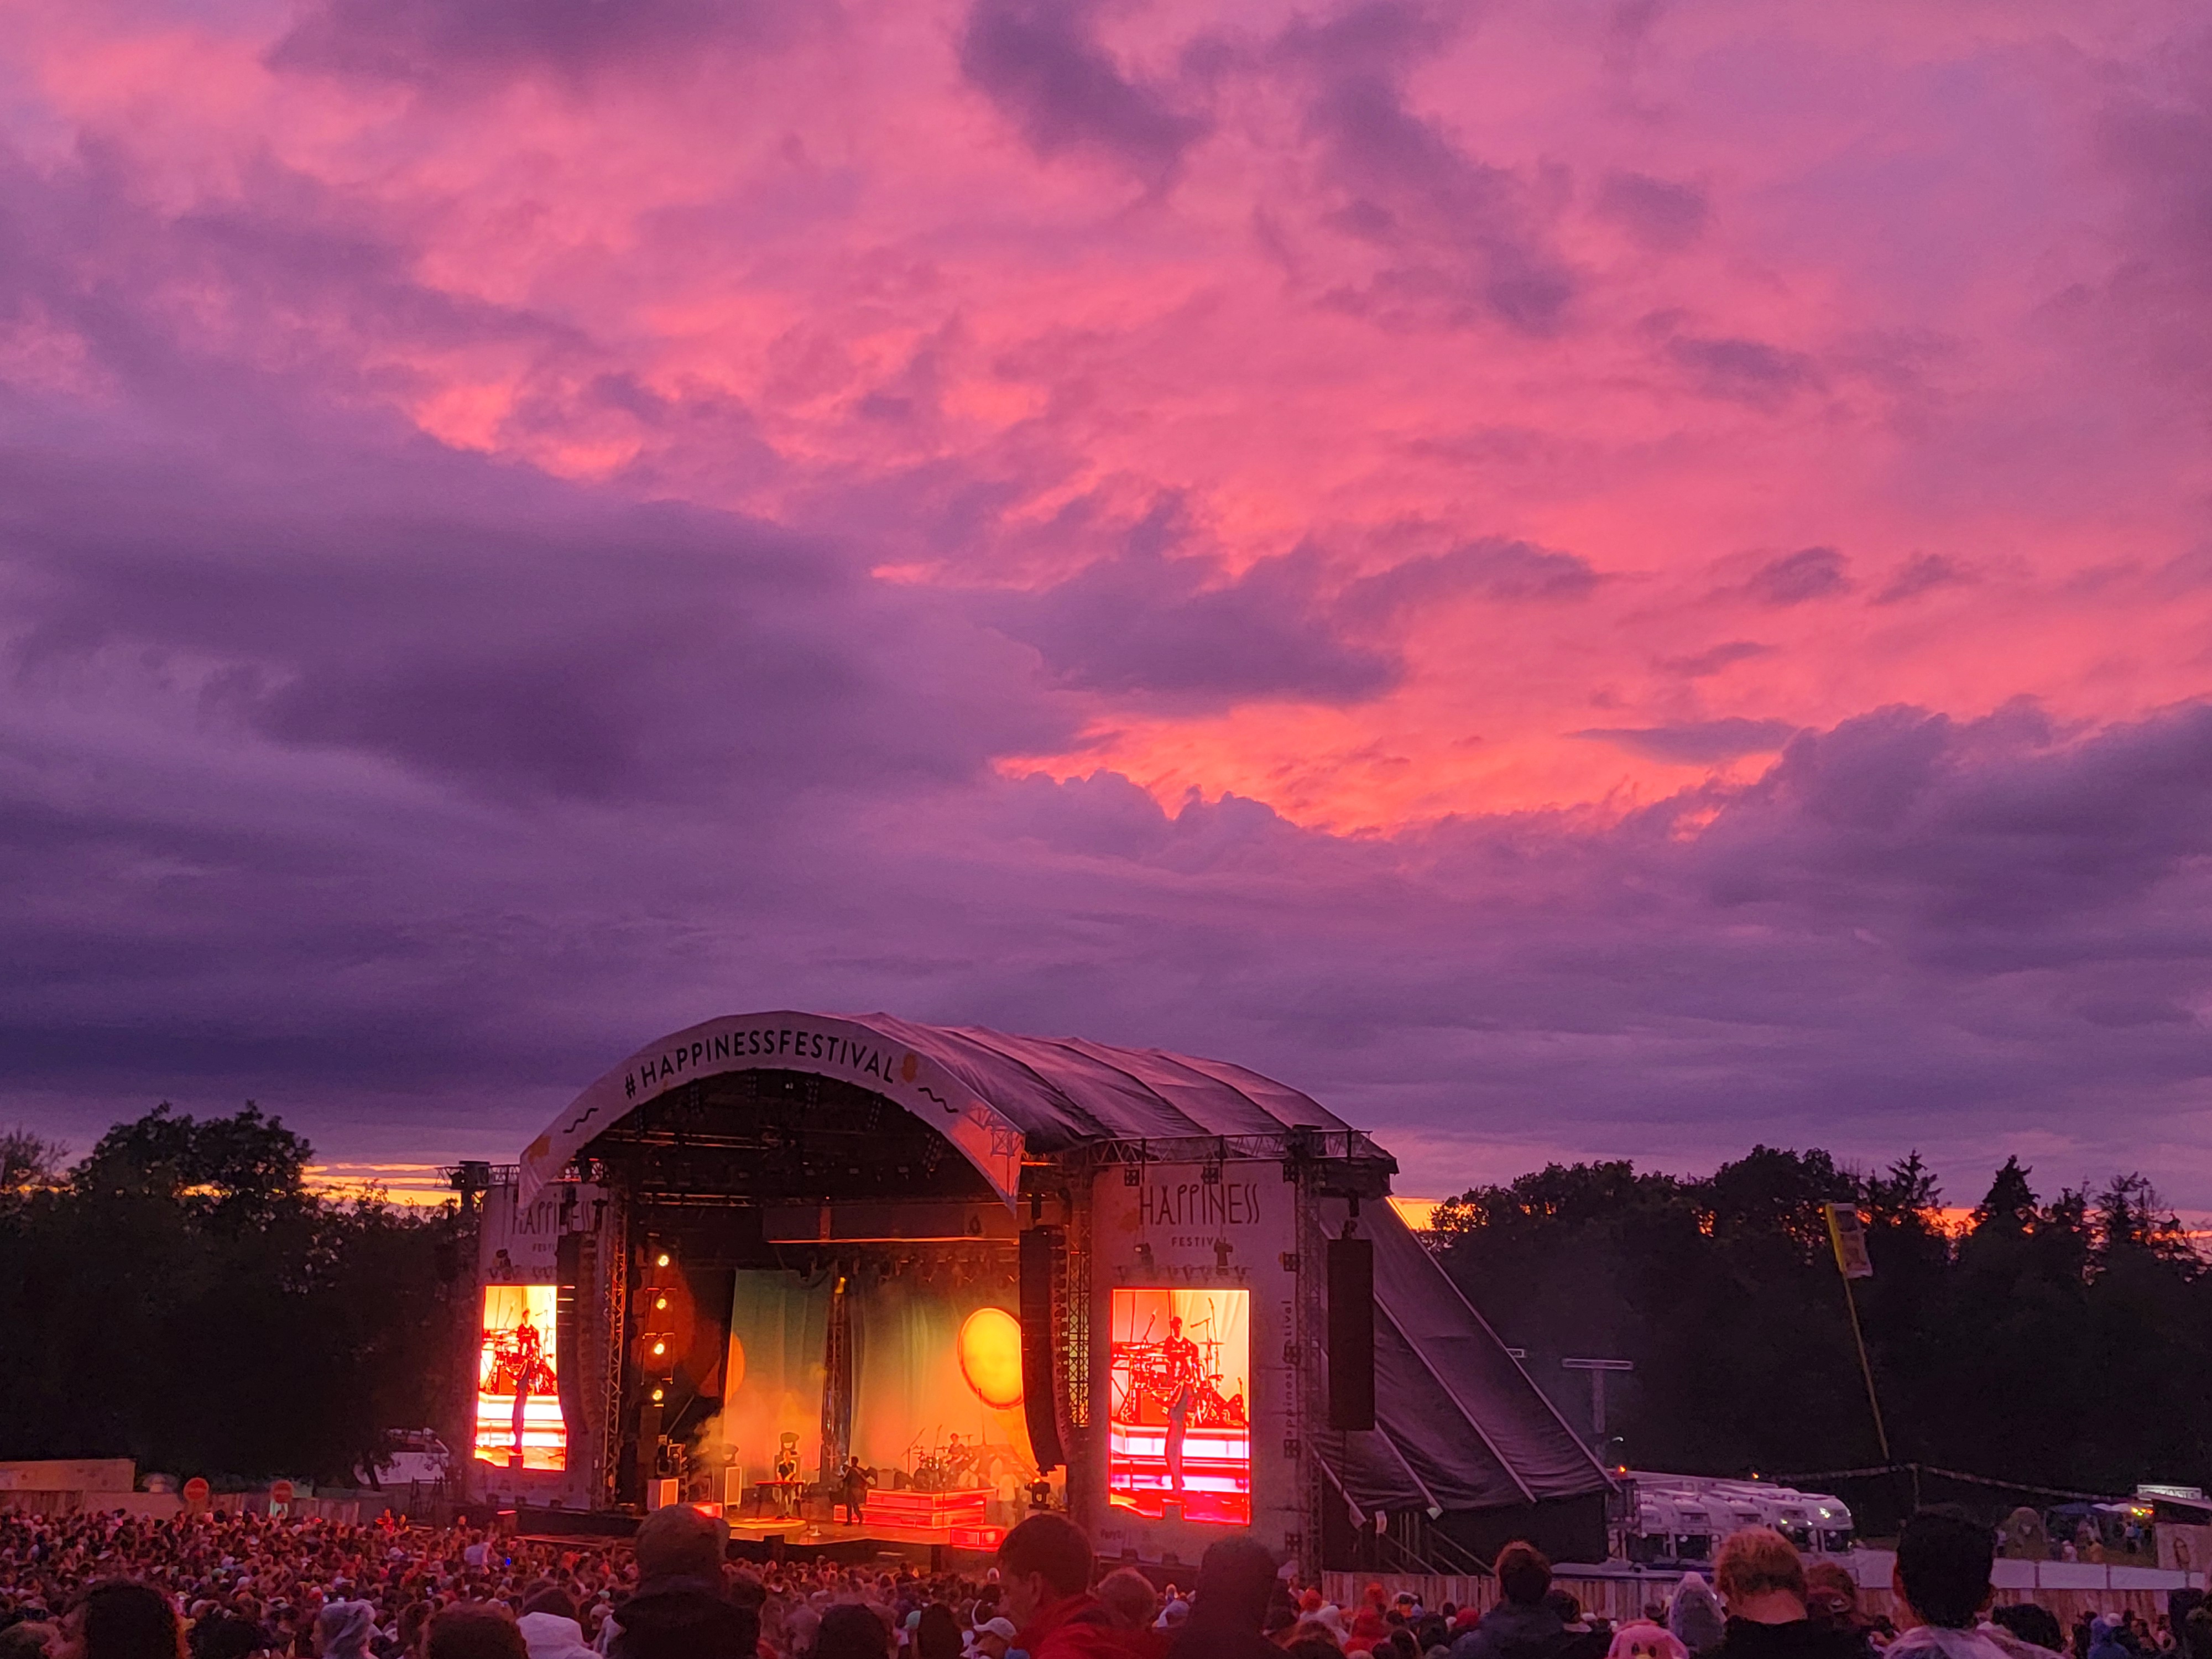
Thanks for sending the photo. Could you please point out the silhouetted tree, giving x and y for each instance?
(183, 1300)
(2067, 1343)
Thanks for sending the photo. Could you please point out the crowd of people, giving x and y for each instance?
(243, 1587)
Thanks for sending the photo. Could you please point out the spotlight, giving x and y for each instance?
(662, 1261)
(658, 1349)
(659, 1303)
(659, 1395)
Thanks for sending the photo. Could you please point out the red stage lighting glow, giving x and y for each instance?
(1179, 1429)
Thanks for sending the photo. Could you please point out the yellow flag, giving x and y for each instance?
(1847, 1232)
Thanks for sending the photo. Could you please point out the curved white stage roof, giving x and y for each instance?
(1459, 1424)
(993, 1096)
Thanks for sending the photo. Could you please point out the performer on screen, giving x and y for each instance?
(521, 1352)
(1179, 1405)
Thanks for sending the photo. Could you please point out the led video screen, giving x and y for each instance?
(519, 1421)
(1179, 1429)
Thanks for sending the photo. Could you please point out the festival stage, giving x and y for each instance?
(862, 1287)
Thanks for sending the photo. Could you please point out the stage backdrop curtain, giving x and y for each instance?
(779, 1331)
(909, 1392)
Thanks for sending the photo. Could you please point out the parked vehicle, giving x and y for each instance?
(1680, 1519)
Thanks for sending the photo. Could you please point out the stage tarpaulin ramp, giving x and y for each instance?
(1458, 1424)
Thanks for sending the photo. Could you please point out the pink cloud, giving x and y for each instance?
(1510, 546)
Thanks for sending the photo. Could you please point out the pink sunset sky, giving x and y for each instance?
(1574, 580)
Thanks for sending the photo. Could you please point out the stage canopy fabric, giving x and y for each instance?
(993, 1096)
(1458, 1424)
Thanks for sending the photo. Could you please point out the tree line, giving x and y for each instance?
(2062, 1342)
(181, 1296)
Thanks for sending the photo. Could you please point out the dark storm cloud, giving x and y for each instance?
(1462, 239)
(1696, 743)
(483, 624)
(1920, 574)
(1702, 664)
(1742, 371)
(1494, 567)
(440, 42)
(1810, 573)
(1042, 63)
(1662, 215)
(1152, 620)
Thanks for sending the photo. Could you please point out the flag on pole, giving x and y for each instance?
(1847, 1232)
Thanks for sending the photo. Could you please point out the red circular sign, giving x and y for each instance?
(196, 1490)
(280, 1492)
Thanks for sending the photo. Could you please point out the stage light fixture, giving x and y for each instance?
(662, 1260)
(659, 1395)
(658, 1349)
(660, 1304)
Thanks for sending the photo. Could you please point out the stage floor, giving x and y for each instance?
(932, 1548)
(763, 1538)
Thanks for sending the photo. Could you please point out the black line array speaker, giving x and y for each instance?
(1352, 1333)
(1041, 1249)
(567, 1334)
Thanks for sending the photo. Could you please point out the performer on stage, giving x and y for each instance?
(856, 1490)
(787, 1476)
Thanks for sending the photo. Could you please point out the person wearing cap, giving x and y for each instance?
(993, 1638)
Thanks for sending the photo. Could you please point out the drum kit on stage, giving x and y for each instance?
(954, 1466)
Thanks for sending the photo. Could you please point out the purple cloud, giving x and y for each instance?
(1920, 574)
(1743, 371)
(1040, 62)
(441, 42)
(1662, 215)
(1703, 665)
(1810, 573)
(1172, 625)
(1461, 237)
(1509, 571)
(1696, 743)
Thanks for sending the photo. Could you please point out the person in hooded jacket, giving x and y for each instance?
(1236, 1581)
(550, 1626)
(1519, 1626)
(1695, 1616)
(344, 1629)
(2105, 1639)
(1762, 1581)
(681, 1608)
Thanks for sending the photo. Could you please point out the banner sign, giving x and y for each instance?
(1847, 1232)
(846, 1049)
